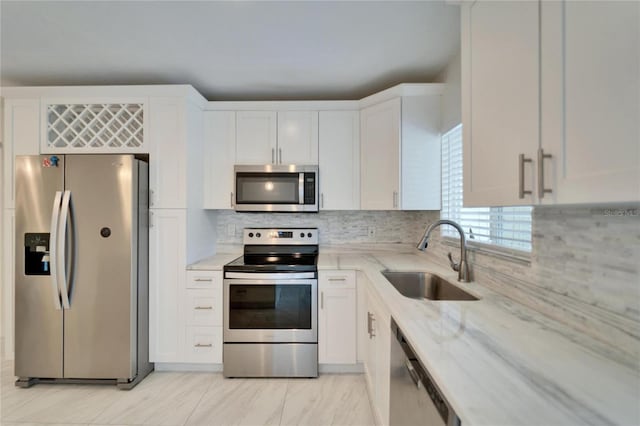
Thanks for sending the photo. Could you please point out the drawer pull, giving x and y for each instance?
(208, 280)
(337, 279)
(200, 345)
(200, 308)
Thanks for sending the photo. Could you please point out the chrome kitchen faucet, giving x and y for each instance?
(462, 268)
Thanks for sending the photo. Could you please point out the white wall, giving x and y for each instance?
(451, 97)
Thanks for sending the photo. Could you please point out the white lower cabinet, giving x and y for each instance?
(337, 317)
(203, 345)
(167, 248)
(185, 308)
(377, 359)
(203, 317)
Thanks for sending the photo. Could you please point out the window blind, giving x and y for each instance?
(502, 226)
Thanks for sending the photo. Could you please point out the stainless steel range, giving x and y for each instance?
(271, 305)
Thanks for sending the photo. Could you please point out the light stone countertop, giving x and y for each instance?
(496, 361)
(213, 263)
(501, 363)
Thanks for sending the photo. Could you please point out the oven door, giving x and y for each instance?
(270, 310)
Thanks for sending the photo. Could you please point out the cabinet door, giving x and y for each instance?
(256, 133)
(167, 161)
(297, 137)
(380, 156)
(591, 101)
(8, 268)
(500, 83)
(219, 158)
(167, 248)
(337, 318)
(21, 137)
(203, 345)
(339, 141)
(420, 164)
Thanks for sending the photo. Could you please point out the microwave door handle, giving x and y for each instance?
(300, 188)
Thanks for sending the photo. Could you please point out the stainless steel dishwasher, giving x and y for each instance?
(414, 398)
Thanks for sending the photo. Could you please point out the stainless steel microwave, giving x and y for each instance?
(276, 188)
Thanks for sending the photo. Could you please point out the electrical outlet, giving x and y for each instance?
(371, 232)
(231, 230)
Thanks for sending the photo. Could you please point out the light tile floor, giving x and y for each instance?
(172, 398)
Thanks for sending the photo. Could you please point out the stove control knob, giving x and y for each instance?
(250, 234)
(258, 234)
(302, 235)
(309, 235)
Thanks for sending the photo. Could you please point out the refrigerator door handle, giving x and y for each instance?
(61, 248)
(53, 249)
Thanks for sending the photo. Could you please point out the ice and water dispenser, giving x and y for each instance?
(36, 254)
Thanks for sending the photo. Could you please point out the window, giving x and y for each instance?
(508, 227)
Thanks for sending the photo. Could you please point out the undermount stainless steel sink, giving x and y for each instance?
(425, 285)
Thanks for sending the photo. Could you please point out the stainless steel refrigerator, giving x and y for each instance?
(81, 273)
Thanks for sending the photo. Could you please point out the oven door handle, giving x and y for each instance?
(230, 282)
(271, 276)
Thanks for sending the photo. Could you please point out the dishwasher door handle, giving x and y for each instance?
(413, 373)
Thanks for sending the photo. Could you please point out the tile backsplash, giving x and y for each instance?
(335, 227)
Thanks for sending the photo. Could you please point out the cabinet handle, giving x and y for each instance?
(370, 320)
(200, 345)
(322, 300)
(541, 157)
(151, 196)
(280, 151)
(521, 161)
(413, 373)
(204, 280)
(273, 156)
(202, 308)
(395, 199)
(337, 279)
(150, 219)
(321, 200)
(231, 199)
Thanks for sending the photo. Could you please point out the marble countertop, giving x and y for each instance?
(501, 363)
(497, 361)
(213, 263)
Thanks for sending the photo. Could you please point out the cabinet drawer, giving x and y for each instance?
(204, 279)
(204, 307)
(337, 279)
(204, 344)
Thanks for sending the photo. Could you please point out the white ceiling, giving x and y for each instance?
(229, 50)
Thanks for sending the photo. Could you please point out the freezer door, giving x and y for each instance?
(100, 323)
(38, 317)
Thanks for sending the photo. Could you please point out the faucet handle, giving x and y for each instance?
(455, 266)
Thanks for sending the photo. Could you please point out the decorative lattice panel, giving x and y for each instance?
(87, 126)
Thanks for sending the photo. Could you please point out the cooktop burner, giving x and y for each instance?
(277, 250)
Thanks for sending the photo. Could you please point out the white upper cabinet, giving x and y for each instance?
(339, 141)
(551, 102)
(167, 159)
(591, 101)
(256, 135)
(500, 107)
(400, 154)
(270, 137)
(380, 156)
(21, 137)
(219, 158)
(297, 137)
